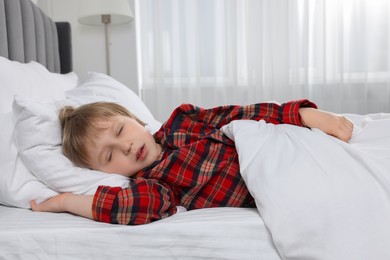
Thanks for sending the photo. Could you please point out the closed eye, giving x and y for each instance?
(120, 130)
(109, 156)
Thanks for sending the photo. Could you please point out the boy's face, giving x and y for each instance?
(123, 147)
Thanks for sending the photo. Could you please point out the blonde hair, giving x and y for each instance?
(77, 126)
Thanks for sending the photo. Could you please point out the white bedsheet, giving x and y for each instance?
(216, 233)
(321, 198)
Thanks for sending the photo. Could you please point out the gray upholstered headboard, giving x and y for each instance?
(26, 33)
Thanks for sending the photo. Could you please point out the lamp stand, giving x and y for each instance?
(106, 20)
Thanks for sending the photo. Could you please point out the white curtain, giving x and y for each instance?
(214, 52)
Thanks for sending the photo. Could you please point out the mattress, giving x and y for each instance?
(214, 233)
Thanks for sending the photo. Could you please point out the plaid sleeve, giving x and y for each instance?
(287, 113)
(142, 202)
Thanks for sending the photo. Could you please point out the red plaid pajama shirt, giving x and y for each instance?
(198, 167)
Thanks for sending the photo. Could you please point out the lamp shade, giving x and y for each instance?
(91, 11)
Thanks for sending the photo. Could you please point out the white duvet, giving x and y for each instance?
(321, 198)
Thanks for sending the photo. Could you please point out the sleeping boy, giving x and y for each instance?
(188, 162)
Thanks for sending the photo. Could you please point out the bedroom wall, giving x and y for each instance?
(89, 45)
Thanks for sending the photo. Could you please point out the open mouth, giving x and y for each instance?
(139, 153)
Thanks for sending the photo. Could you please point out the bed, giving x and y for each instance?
(299, 215)
(35, 50)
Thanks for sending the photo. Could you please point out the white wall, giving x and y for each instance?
(89, 45)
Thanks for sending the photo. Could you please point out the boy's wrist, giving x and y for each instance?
(303, 113)
(67, 201)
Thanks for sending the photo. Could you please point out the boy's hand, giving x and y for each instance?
(330, 123)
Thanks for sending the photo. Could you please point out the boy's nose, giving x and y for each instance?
(126, 147)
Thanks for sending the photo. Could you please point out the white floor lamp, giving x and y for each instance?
(105, 12)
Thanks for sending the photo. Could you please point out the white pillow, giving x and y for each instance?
(38, 135)
(17, 184)
(33, 81)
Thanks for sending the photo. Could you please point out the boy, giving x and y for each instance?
(189, 162)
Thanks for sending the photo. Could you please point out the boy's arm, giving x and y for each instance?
(142, 202)
(287, 113)
(299, 112)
